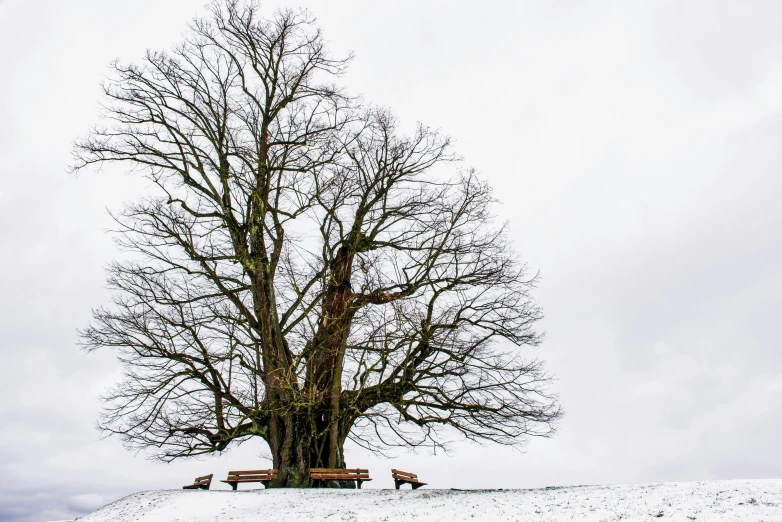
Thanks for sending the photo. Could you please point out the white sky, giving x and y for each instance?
(635, 146)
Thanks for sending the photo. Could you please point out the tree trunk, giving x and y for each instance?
(314, 437)
(298, 442)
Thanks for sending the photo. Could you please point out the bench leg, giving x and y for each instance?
(416, 486)
(234, 485)
(397, 483)
(359, 484)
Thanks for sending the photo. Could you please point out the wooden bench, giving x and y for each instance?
(200, 483)
(264, 476)
(357, 474)
(403, 477)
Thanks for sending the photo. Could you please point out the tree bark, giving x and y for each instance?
(295, 450)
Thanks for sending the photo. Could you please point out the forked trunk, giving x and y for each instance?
(314, 437)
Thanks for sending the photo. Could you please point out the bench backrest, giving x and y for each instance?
(349, 474)
(203, 481)
(253, 474)
(403, 475)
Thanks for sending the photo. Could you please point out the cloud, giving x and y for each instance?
(634, 149)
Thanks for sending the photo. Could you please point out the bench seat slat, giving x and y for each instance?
(249, 479)
(337, 473)
(338, 476)
(339, 470)
(253, 475)
(364, 478)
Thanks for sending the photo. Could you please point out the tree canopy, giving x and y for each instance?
(303, 271)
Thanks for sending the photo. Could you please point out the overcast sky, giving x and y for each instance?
(635, 147)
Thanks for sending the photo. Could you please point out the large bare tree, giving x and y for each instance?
(303, 273)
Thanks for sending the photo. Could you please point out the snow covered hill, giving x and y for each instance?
(744, 500)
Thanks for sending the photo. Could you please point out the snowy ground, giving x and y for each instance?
(745, 500)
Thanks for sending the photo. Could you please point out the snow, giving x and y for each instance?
(746, 500)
